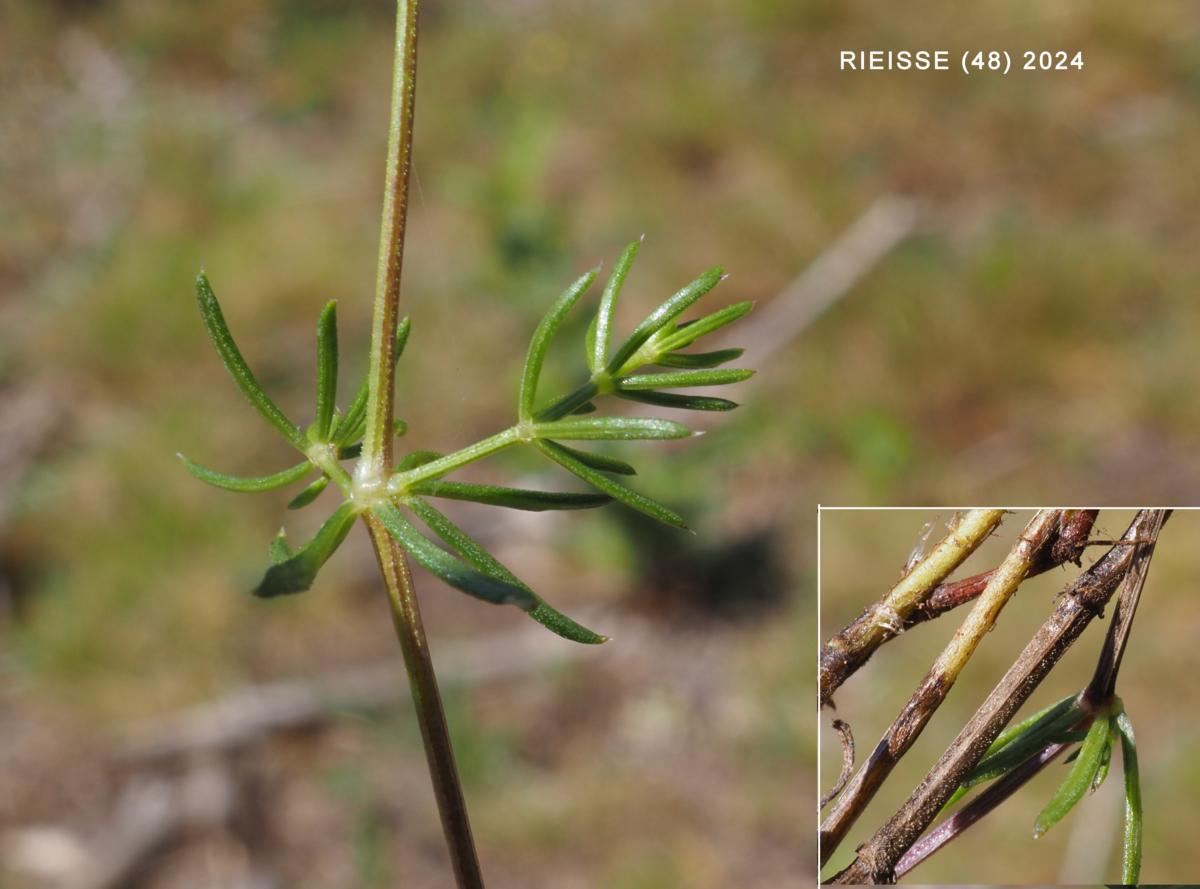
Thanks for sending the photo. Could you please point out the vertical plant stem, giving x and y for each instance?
(427, 700)
(376, 459)
(375, 464)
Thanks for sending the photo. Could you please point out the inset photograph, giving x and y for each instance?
(1000, 696)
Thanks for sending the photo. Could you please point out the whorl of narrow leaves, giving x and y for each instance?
(458, 560)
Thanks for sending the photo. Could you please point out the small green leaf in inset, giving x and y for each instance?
(700, 359)
(686, 334)
(309, 494)
(327, 370)
(613, 429)
(617, 491)
(294, 571)
(449, 568)
(414, 459)
(1106, 756)
(1079, 778)
(351, 426)
(680, 402)
(683, 378)
(1046, 714)
(599, 339)
(1018, 743)
(513, 498)
(231, 357)
(599, 461)
(1131, 859)
(542, 336)
(460, 542)
(249, 485)
(663, 315)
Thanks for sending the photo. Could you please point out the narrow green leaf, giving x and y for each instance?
(632, 499)
(1131, 859)
(349, 452)
(682, 378)
(598, 345)
(247, 484)
(545, 331)
(569, 403)
(231, 357)
(664, 314)
(1044, 715)
(613, 429)
(700, 359)
(589, 341)
(352, 425)
(1106, 756)
(414, 459)
(513, 498)
(687, 334)
(588, 408)
(309, 494)
(294, 571)
(1078, 780)
(448, 567)
(1050, 726)
(458, 540)
(599, 461)
(680, 402)
(327, 370)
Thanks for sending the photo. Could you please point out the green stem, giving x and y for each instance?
(377, 442)
(402, 481)
(375, 464)
(427, 701)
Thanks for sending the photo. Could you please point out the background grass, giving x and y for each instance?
(1032, 344)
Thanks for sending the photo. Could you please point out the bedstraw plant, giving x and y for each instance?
(394, 498)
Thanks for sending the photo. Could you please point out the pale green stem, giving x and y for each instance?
(851, 647)
(375, 463)
(376, 460)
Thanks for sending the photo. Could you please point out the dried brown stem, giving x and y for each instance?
(932, 690)
(1080, 602)
(1070, 540)
(1104, 680)
(854, 645)
(973, 811)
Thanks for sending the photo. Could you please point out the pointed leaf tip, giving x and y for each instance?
(537, 607)
(235, 364)
(293, 571)
(246, 484)
(540, 343)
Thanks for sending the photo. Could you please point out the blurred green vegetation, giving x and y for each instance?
(861, 556)
(1032, 344)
